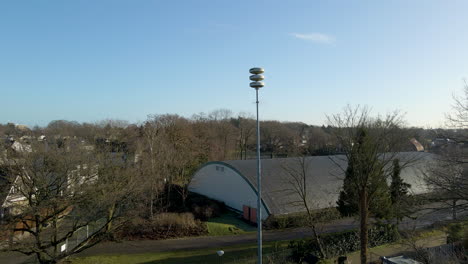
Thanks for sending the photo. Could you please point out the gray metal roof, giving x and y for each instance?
(324, 178)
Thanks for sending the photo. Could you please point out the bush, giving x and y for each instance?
(163, 226)
(337, 244)
(303, 251)
(206, 212)
(300, 219)
(465, 239)
(204, 208)
(455, 233)
(285, 221)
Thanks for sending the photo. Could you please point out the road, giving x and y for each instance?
(193, 243)
(129, 247)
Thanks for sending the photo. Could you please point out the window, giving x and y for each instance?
(15, 189)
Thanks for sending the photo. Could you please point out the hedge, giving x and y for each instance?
(337, 244)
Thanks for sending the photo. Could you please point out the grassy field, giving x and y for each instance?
(429, 238)
(246, 253)
(237, 254)
(228, 224)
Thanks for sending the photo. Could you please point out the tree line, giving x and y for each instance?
(80, 174)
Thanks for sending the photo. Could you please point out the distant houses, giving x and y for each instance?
(12, 198)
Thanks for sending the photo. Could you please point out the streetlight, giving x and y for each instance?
(257, 83)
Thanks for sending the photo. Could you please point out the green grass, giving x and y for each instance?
(245, 254)
(228, 224)
(389, 248)
(236, 254)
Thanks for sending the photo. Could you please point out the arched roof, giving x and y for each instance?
(324, 178)
(248, 180)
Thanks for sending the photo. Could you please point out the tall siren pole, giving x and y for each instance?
(257, 83)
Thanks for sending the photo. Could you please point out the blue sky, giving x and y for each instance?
(92, 60)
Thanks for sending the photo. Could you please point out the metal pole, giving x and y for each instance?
(259, 189)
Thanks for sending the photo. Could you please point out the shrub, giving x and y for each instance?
(455, 233)
(465, 239)
(163, 226)
(204, 208)
(303, 250)
(300, 219)
(337, 244)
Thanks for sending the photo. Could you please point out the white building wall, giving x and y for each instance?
(221, 183)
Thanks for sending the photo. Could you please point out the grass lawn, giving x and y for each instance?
(237, 254)
(429, 238)
(246, 254)
(228, 224)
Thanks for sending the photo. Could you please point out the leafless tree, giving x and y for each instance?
(448, 183)
(53, 195)
(153, 131)
(278, 138)
(448, 176)
(114, 186)
(246, 130)
(458, 118)
(223, 132)
(297, 186)
(372, 143)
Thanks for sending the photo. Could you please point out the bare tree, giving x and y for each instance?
(372, 143)
(153, 131)
(183, 155)
(448, 176)
(458, 118)
(172, 153)
(447, 179)
(277, 138)
(52, 197)
(223, 132)
(114, 186)
(246, 129)
(298, 184)
(317, 141)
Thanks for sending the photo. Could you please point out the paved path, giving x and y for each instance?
(154, 246)
(146, 246)
(193, 243)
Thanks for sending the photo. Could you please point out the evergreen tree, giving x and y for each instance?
(398, 192)
(348, 199)
(378, 190)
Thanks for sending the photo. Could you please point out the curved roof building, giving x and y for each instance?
(234, 182)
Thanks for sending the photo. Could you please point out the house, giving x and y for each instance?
(417, 145)
(12, 200)
(234, 182)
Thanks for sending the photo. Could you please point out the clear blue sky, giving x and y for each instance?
(91, 60)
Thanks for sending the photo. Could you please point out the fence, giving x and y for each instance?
(81, 234)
